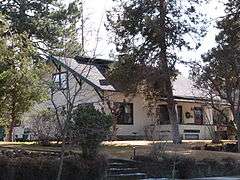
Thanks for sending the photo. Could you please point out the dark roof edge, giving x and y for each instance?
(88, 60)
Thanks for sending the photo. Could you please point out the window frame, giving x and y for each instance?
(60, 87)
(167, 121)
(202, 115)
(131, 105)
(159, 122)
(180, 116)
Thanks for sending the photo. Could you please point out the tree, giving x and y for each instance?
(44, 22)
(89, 128)
(44, 127)
(220, 73)
(148, 35)
(20, 77)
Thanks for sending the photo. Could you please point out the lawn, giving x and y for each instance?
(125, 149)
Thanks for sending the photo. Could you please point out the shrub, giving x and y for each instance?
(44, 126)
(158, 150)
(186, 167)
(46, 168)
(89, 128)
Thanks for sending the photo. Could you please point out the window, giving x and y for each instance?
(124, 112)
(191, 136)
(60, 80)
(191, 131)
(198, 115)
(86, 105)
(163, 115)
(104, 82)
(220, 117)
(180, 114)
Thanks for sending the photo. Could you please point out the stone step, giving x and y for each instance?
(118, 160)
(123, 169)
(113, 171)
(120, 165)
(128, 176)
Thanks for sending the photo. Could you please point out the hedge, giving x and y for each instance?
(45, 168)
(186, 167)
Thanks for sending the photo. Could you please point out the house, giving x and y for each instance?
(86, 80)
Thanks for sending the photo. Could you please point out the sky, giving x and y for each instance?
(95, 12)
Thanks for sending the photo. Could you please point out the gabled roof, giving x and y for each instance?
(86, 71)
(93, 72)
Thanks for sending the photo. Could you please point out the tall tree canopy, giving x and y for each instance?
(45, 22)
(20, 77)
(220, 74)
(148, 35)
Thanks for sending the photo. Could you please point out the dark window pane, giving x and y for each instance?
(104, 82)
(162, 114)
(124, 112)
(87, 105)
(180, 115)
(60, 80)
(198, 115)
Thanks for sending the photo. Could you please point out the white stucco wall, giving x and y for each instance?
(140, 118)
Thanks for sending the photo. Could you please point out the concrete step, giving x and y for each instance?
(112, 171)
(123, 169)
(120, 165)
(128, 176)
(118, 160)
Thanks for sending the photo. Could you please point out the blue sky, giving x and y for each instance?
(95, 10)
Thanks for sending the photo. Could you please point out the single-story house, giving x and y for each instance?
(86, 80)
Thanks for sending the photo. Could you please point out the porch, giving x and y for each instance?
(195, 121)
(195, 118)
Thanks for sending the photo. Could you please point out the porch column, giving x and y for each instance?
(208, 118)
(176, 108)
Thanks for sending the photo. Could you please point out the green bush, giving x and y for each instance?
(89, 128)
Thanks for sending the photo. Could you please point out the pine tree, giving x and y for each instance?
(44, 22)
(20, 77)
(148, 35)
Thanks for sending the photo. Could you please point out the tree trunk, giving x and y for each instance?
(174, 121)
(238, 141)
(113, 111)
(60, 169)
(11, 126)
(10, 132)
(13, 117)
(237, 120)
(236, 116)
(169, 90)
(216, 138)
